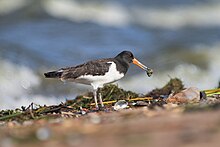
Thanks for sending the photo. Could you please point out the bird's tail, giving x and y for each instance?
(53, 74)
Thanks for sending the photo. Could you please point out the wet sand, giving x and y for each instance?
(130, 127)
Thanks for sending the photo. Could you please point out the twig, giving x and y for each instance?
(212, 92)
(10, 116)
(133, 99)
(109, 94)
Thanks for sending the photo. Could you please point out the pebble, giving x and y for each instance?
(191, 94)
(121, 104)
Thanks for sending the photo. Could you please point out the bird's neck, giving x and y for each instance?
(121, 66)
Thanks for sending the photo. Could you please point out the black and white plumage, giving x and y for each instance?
(97, 73)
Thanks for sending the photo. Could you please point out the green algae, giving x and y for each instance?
(175, 85)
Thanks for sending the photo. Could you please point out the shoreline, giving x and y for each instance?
(159, 118)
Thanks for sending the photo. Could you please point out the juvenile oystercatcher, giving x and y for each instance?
(99, 72)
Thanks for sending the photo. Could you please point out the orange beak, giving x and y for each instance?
(148, 70)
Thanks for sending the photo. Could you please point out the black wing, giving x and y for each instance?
(97, 67)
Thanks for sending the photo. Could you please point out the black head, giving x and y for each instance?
(125, 56)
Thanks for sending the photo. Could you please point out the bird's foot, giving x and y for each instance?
(102, 108)
(97, 109)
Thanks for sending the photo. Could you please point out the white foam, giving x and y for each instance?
(105, 14)
(8, 6)
(26, 100)
(16, 83)
(116, 14)
(15, 80)
(174, 17)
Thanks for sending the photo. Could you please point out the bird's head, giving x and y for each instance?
(128, 57)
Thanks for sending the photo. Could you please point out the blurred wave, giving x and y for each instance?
(172, 14)
(115, 14)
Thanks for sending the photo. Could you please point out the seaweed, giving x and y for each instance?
(73, 107)
(175, 85)
(108, 92)
(113, 92)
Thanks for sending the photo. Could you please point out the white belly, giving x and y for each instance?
(98, 81)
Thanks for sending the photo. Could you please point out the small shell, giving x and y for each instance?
(149, 72)
(121, 104)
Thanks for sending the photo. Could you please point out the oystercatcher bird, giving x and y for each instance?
(97, 73)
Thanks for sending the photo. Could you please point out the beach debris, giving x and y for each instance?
(175, 85)
(141, 103)
(121, 104)
(110, 94)
(113, 92)
(191, 94)
(115, 99)
(212, 92)
(83, 111)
